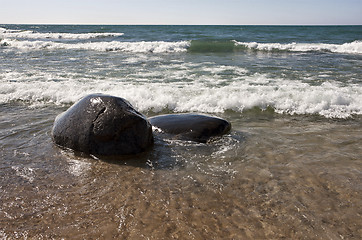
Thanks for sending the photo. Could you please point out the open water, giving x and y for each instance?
(291, 167)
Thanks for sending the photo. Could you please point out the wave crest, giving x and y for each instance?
(235, 46)
(28, 40)
(330, 99)
(140, 47)
(16, 34)
(353, 47)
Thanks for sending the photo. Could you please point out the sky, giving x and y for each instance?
(183, 12)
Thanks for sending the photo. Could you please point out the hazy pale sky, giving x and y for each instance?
(240, 12)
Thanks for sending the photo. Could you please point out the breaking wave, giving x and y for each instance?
(19, 34)
(194, 46)
(32, 40)
(329, 99)
(353, 47)
(184, 46)
(155, 46)
(235, 46)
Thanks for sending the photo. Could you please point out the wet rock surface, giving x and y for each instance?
(192, 127)
(103, 125)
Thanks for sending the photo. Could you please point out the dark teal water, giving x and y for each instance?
(262, 34)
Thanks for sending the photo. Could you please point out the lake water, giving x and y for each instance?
(290, 168)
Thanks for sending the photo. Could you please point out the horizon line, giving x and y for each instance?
(154, 24)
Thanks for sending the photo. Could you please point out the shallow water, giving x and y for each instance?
(272, 177)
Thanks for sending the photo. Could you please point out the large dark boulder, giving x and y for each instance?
(103, 125)
(193, 127)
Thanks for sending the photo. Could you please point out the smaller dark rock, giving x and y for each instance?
(193, 127)
(103, 125)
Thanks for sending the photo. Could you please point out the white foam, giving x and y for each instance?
(156, 129)
(25, 172)
(330, 99)
(353, 47)
(9, 33)
(4, 30)
(139, 47)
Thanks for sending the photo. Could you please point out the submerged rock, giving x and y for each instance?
(193, 127)
(103, 125)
